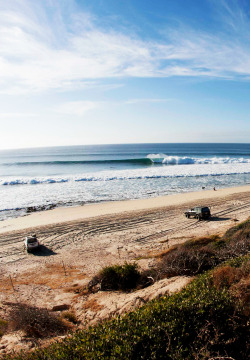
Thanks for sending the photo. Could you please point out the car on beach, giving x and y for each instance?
(31, 243)
(198, 212)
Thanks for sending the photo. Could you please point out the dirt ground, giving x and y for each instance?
(72, 253)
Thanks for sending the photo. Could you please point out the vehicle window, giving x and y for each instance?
(31, 241)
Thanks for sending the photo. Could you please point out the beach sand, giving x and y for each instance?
(77, 242)
(66, 214)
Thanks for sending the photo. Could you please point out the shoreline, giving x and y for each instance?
(68, 214)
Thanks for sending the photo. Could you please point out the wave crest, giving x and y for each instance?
(184, 160)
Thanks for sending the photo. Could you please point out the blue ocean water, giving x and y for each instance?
(74, 175)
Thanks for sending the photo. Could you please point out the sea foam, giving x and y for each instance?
(184, 160)
(214, 168)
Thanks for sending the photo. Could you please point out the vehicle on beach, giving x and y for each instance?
(198, 212)
(31, 243)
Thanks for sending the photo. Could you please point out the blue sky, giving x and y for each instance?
(78, 72)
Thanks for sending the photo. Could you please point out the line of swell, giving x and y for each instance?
(112, 178)
(143, 161)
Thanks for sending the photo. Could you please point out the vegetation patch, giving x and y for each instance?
(93, 305)
(69, 316)
(3, 327)
(200, 322)
(199, 255)
(117, 277)
(236, 279)
(35, 322)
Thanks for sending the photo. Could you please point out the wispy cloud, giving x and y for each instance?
(13, 115)
(139, 101)
(75, 108)
(45, 46)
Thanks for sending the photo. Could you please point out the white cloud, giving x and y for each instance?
(40, 52)
(76, 108)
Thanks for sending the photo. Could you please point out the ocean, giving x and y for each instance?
(43, 178)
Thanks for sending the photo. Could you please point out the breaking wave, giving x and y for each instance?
(150, 159)
(183, 160)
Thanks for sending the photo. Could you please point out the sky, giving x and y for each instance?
(77, 72)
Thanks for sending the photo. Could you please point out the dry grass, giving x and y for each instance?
(69, 316)
(161, 254)
(52, 275)
(92, 305)
(236, 280)
(35, 322)
(225, 276)
(75, 288)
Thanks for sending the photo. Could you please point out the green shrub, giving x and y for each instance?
(119, 277)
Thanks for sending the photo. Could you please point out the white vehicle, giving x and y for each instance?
(31, 243)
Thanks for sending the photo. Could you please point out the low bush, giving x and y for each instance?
(235, 277)
(147, 278)
(3, 327)
(119, 277)
(69, 316)
(186, 261)
(35, 322)
(225, 276)
(125, 277)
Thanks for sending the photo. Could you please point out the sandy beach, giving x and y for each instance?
(61, 215)
(77, 242)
